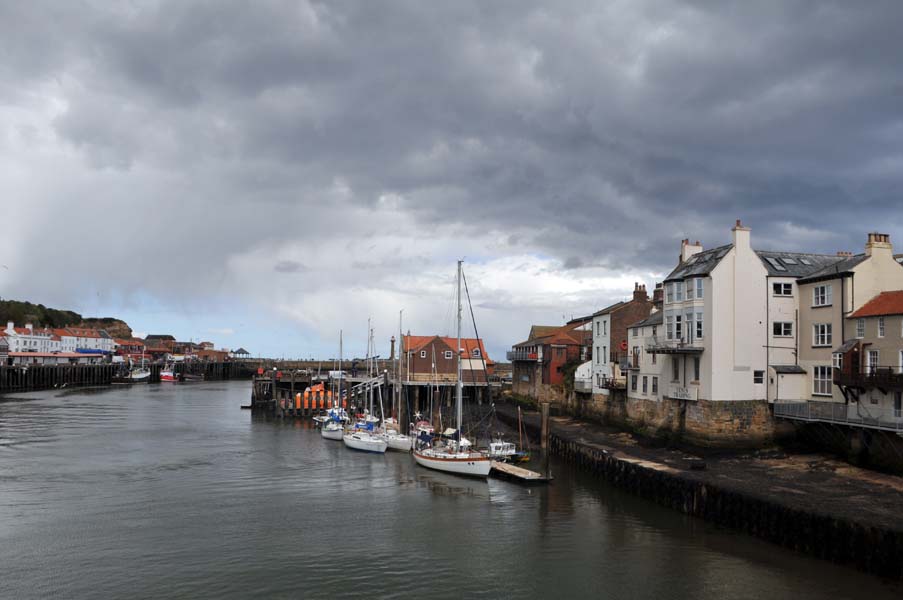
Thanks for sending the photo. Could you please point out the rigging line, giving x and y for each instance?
(476, 333)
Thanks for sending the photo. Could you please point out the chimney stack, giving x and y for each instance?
(639, 292)
(10, 326)
(879, 243)
(687, 249)
(741, 236)
(29, 327)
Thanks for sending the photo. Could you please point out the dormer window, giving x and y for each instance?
(448, 354)
(476, 353)
(423, 354)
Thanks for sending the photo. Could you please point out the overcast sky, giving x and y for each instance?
(265, 173)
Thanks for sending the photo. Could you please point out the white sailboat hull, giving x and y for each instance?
(332, 434)
(365, 442)
(462, 463)
(402, 443)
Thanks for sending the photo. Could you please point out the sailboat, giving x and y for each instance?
(334, 428)
(454, 456)
(364, 436)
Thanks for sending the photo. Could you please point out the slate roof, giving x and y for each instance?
(840, 267)
(699, 264)
(609, 309)
(885, 303)
(777, 264)
(788, 369)
(541, 330)
(655, 318)
(793, 264)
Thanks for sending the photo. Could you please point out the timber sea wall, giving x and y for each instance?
(870, 546)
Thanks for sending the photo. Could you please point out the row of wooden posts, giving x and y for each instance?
(23, 378)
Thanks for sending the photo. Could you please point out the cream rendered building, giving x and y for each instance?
(829, 296)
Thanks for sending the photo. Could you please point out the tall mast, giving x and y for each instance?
(339, 400)
(459, 386)
(398, 371)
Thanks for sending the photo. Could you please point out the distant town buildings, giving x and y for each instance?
(81, 345)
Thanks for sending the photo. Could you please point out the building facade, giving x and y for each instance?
(611, 347)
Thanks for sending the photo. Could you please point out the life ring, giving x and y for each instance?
(624, 345)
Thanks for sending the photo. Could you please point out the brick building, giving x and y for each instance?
(428, 358)
(539, 363)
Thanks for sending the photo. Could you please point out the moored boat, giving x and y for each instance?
(453, 455)
(332, 430)
(364, 441)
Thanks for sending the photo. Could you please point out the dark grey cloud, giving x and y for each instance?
(597, 134)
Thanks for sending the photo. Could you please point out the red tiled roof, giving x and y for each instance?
(413, 343)
(885, 303)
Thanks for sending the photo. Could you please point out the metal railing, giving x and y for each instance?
(658, 342)
(845, 414)
(871, 377)
(522, 355)
(610, 383)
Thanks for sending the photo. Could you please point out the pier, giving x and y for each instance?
(27, 378)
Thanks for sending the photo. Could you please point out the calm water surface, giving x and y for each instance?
(173, 491)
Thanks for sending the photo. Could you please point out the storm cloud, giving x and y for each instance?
(319, 162)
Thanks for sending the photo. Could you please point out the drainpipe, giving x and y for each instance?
(767, 339)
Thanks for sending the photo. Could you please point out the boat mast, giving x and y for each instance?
(459, 386)
(398, 373)
(340, 369)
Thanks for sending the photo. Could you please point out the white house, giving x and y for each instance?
(645, 377)
(29, 339)
(714, 323)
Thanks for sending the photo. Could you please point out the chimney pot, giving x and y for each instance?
(739, 224)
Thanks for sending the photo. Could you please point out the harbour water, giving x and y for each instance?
(171, 491)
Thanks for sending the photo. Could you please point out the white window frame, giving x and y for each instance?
(758, 377)
(782, 290)
(678, 328)
(821, 335)
(679, 292)
(448, 355)
(821, 386)
(860, 328)
(822, 295)
(654, 385)
(837, 360)
(423, 354)
(669, 327)
(881, 329)
(872, 361)
(786, 328)
(476, 353)
(700, 330)
(700, 288)
(669, 293)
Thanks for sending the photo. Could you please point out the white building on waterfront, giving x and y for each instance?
(29, 339)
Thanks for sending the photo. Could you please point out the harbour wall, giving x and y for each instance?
(869, 548)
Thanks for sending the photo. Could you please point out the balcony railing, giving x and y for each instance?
(519, 354)
(857, 415)
(885, 378)
(659, 344)
(610, 383)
